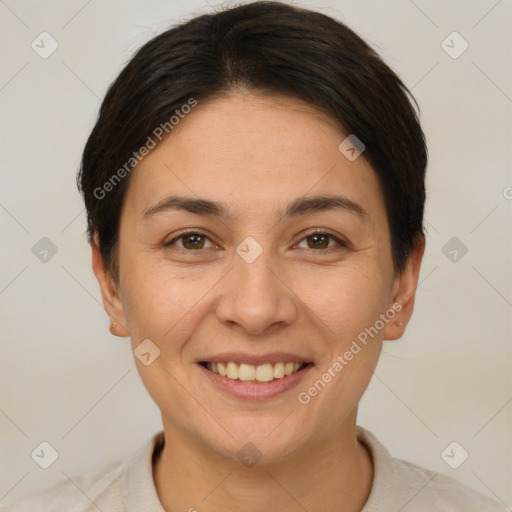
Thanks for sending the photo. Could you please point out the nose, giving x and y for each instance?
(256, 297)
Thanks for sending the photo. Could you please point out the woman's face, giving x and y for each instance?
(251, 283)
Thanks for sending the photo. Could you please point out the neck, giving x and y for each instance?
(334, 475)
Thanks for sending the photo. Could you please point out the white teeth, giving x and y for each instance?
(278, 370)
(232, 371)
(221, 369)
(248, 372)
(288, 369)
(264, 372)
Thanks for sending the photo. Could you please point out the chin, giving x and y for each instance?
(269, 439)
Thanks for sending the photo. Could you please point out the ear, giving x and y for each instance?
(111, 299)
(404, 292)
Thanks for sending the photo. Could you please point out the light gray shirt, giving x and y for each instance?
(127, 486)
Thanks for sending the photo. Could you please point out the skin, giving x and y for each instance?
(256, 154)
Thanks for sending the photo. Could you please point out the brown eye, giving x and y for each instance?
(189, 241)
(321, 240)
(318, 241)
(193, 241)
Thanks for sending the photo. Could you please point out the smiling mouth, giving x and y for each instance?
(250, 373)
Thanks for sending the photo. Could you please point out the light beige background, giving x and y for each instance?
(65, 380)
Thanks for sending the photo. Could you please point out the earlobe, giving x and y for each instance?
(405, 294)
(109, 293)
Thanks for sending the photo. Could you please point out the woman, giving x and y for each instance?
(254, 187)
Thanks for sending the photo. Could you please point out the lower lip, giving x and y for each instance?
(256, 391)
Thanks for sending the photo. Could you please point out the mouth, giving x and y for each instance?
(259, 374)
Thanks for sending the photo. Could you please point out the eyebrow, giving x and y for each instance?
(300, 206)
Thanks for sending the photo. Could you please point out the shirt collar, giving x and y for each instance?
(138, 490)
(383, 470)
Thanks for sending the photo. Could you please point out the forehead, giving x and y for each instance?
(253, 151)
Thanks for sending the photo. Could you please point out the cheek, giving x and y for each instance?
(348, 305)
(164, 300)
(346, 299)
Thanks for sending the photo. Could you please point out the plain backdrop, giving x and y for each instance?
(65, 380)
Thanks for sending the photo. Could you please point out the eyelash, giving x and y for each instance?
(341, 243)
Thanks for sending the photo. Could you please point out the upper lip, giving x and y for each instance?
(255, 359)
